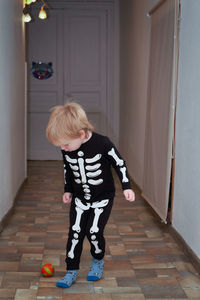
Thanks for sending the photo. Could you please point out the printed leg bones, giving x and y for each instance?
(87, 220)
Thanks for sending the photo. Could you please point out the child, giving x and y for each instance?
(89, 185)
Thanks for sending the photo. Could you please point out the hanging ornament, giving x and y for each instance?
(42, 70)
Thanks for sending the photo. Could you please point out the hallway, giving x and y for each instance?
(142, 259)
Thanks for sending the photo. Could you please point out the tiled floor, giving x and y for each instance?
(142, 260)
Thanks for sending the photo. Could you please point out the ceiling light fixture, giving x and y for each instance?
(27, 9)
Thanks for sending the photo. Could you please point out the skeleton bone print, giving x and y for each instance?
(119, 162)
(83, 171)
(80, 208)
(88, 176)
(86, 173)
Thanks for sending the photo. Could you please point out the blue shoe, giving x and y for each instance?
(68, 279)
(96, 270)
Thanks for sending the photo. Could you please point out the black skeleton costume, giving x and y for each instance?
(88, 177)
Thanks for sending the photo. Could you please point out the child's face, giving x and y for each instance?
(72, 144)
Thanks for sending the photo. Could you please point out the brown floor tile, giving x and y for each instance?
(127, 281)
(183, 266)
(8, 249)
(119, 265)
(128, 297)
(193, 293)
(142, 259)
(158, 281)
(118, 290)
(49, 291)
(145, 273)
(118, 273)
(9, 266)
(10, 257)
(80, 288)
(87, 297)
(24, 294)
(31, 249)
(153, 266)
(189, 281)
(54, 259)
(7, 293)
(167, 273)
(118, 249)
(163, 292)
(108, 282)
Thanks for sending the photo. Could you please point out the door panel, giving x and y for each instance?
(38, 142)
(85, 68)
(41, 102)
(45, 44)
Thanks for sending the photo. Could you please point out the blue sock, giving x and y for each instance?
(96, 270)
(68, 279)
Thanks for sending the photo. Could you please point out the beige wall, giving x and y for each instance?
(12, 124)
(134, 49)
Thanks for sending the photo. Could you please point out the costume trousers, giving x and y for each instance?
(86, 219)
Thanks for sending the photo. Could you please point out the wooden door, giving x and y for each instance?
(75, 40)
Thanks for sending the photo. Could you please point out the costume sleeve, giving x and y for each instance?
(118, 164)
(68, 175)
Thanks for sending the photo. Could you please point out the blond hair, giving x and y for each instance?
(66, 121)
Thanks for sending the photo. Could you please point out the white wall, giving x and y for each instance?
(134, 41)
(186, 211)
(12, 124)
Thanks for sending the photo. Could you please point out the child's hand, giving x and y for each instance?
(129, 195)
(67, 198)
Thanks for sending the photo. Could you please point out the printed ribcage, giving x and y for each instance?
(85, 171)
